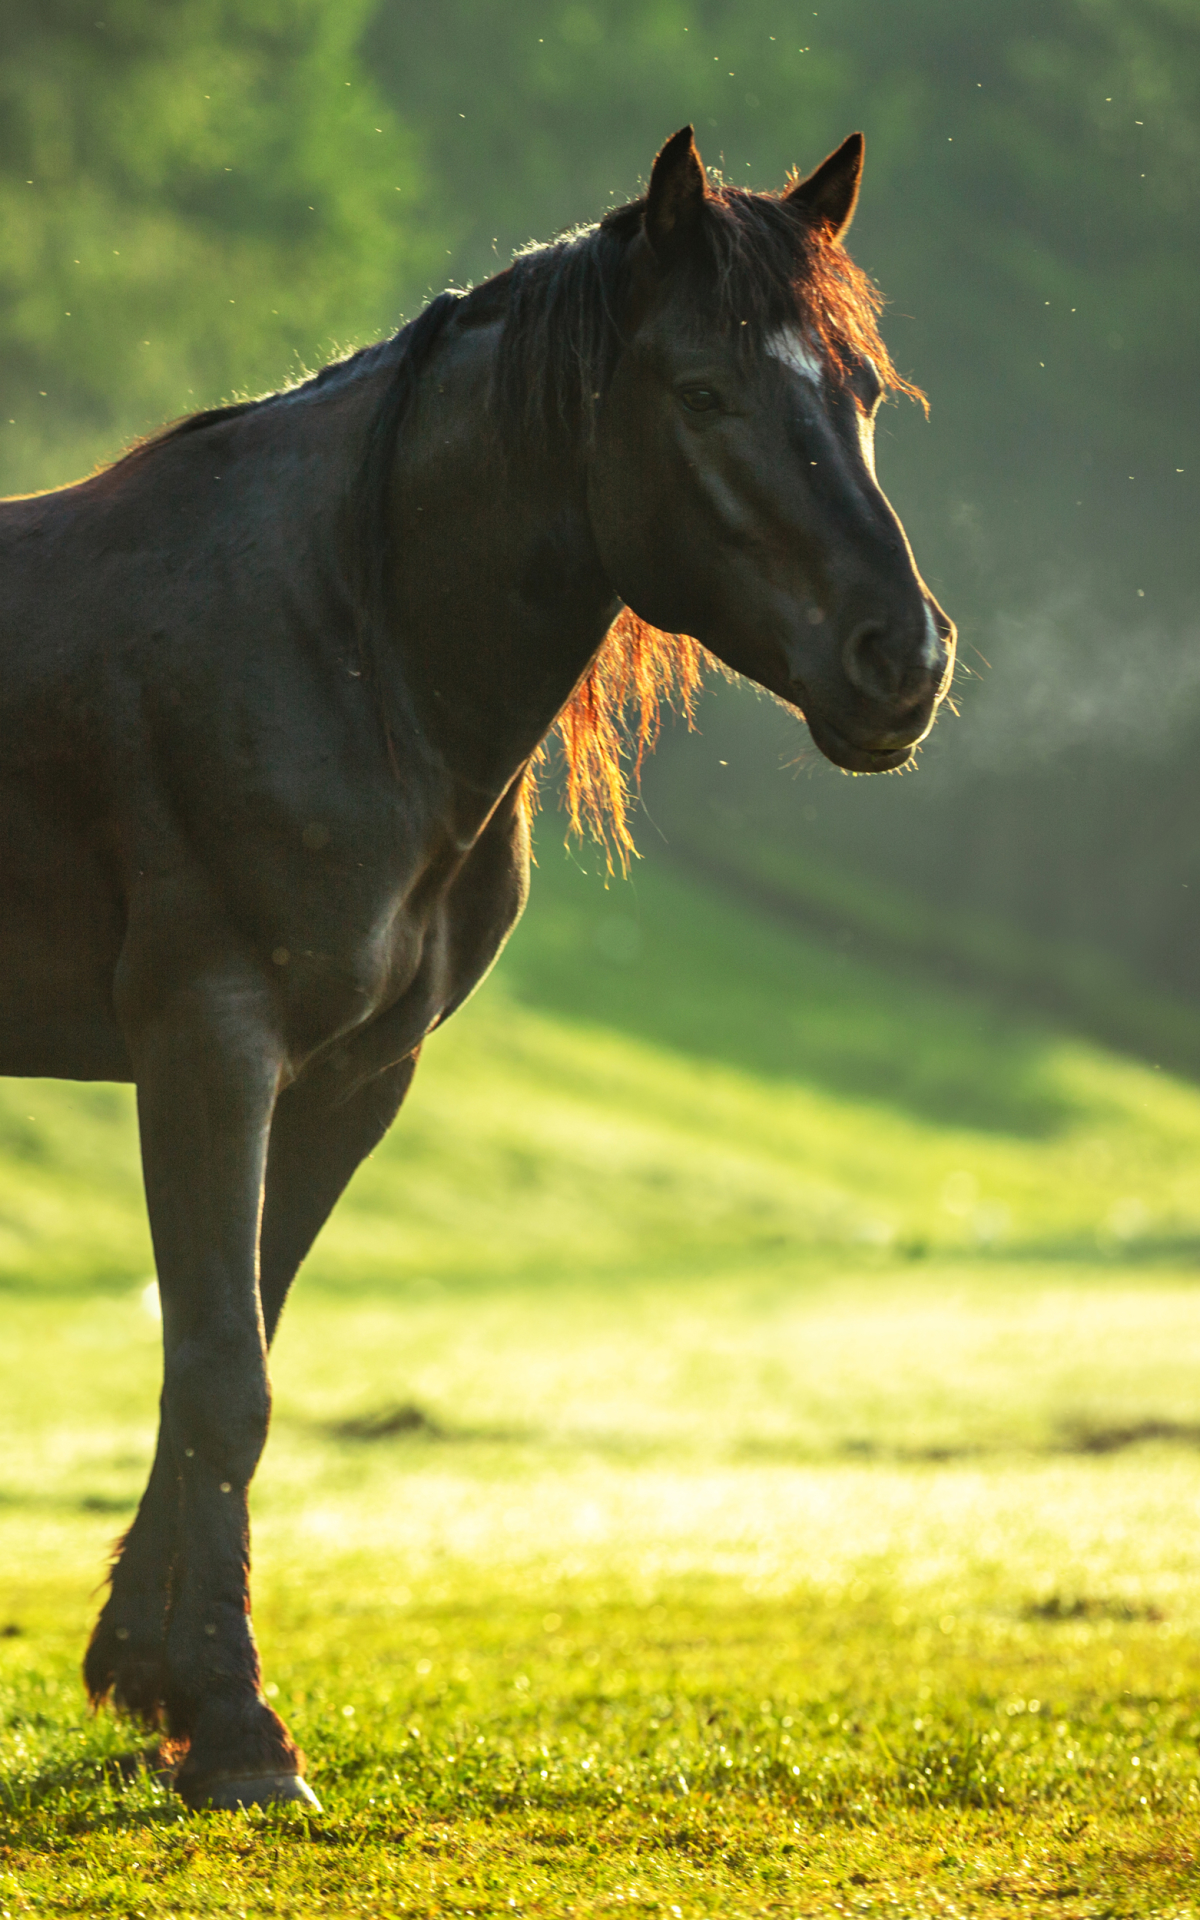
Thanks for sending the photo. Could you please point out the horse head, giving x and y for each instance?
(731, 479)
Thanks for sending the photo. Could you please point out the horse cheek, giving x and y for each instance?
(633, 508)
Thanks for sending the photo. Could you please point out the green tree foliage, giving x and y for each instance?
(196, 197)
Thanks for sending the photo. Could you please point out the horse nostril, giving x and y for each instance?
(869, 665)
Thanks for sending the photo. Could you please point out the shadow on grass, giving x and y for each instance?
(1084, 1436)
(1072, 1437)
(386, 1423)
(404, 1420)
(1088, 1606)
(117, 1503)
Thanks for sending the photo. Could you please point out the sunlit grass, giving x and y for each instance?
(785, 1494)
(817, 1582)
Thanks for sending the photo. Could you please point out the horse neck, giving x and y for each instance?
(497, 598)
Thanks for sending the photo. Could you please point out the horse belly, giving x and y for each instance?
(61, 928)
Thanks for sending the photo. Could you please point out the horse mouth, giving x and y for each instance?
(853, 756)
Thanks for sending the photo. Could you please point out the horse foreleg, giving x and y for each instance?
(319, 1135)
(208, 1070)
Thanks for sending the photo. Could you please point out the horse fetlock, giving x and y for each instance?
(211, 1655)
(126, 1663)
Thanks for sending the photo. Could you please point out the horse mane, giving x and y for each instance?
(610, 723)
(362, 360)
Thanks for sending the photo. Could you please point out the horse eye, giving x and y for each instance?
(699, 399)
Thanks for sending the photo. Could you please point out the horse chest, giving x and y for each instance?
(370, 996)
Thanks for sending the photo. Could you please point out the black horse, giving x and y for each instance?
(272, 689)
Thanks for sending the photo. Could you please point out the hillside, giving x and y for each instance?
(655, 1079)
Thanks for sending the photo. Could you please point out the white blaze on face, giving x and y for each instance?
(789, 345)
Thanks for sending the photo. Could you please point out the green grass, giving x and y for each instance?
(802, 1511)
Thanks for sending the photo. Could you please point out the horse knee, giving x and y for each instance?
(218, 1404)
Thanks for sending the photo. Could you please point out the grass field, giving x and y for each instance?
(736, 1453)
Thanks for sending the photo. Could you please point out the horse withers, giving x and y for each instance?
(273, 685)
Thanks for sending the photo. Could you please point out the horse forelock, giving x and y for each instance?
(758, 267)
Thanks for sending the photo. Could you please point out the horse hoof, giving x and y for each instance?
(225, 1793)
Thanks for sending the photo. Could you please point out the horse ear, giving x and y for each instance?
(829, 195)
(676, 193)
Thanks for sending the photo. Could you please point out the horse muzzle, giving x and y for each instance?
(857, 756)
(882, 695)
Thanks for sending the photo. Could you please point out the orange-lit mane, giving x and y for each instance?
(842, 305)
(613, 717)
